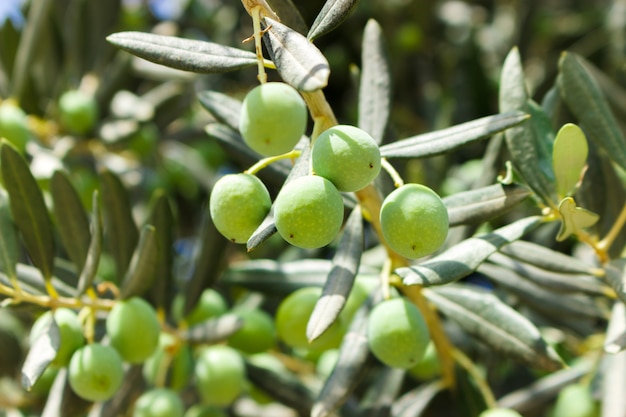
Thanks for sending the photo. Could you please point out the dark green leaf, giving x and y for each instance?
(483, 203)
(223, 107)
(585, 99)
(90, 268)
(546, 258)
(213, 330)
(463, 258)
(332, 14)
(289, 14)
(382, 393)
(345, 265)
(29, 210)
(120, 230)
(414, 402)
(529, 144)
(184, 54)
(143, 266)
(616, 277)
(9, 249)
(483, 315)
(354, 355)
(41, 353)
(71, 218)
(569, 158)
(162, 218)
(297, 60)
(375, 83)
(442, 141)
(552, 303)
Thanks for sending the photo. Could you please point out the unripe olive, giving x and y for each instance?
(414, 221)
(220, 375)
(575, 400)
(95, 372)
(429, 367)
(159, 402)
(273, 118)
(500, 412)
(257, 334)
(133, 329)
(397, 333)
(70, 329)
(210, 304)
(173, 360)
(293, 315)
(238, 204)
(78, 111)
(14, 125)
(308, 212)
(347, 156)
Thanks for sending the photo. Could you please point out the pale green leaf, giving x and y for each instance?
(574, 219)
(569, 158)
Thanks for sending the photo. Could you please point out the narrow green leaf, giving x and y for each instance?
(615, 340)
(375, 83)
(546, 258)
(483, 203)
(354, 355)
(574, 218)
(550, 302)
(332, 14)
(41, 353)
(414, 402)
(120, 230)
(529, 144)
(562, 283)
(71, 219)
(9, 246)
(29, 210)
(31, 280)
(90, 267)
(297, 60)
(213, 330)
(585, 99)
(463, 258)
(345, 265)
(143, 266)
(483, 315)
(444, 140)
(616, 277)
(382, 393)
(223, 107)
(184, 54)
(569, 158)
(289, 14)
(162, 217)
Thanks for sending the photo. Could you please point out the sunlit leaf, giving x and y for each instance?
(183, 54)
(332, 14)
(297, 60)
(569, 158)
(463, 258)
(483, 315)
(546, 258)
(574, 219)
(41, 353)
(337, 288)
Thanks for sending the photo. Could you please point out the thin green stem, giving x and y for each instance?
(395, 176)
(258, 46)
(270, 160)
(607, 241)
(479, 379)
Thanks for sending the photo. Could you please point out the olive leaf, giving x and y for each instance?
(463, 258)
(345, 265)
(574, 218)
(183, 54)
(333, 13)
(213, 330)
(143, 265)
(445, 140)
(481, 314)
(9, 246)
(569, 158)
(223, 107)
(92, 260)
(297, 60)
(546, 258)
(41, 354)
(375, 83)
(162, 218)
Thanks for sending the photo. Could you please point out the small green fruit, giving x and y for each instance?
(220, 375)
(14, 125)
(397, 333)
(95, 372)
(273, 118)
(414, 221)
(308, 212)
(71, 332)
(133, 328)
(347, 156)
(238, 204)
(173, 359)
(293, 315)
(575, 400)
(500, 412)
(429, 367)
(78, 111)
(210, 304)
(159, 402)
(257, 333)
